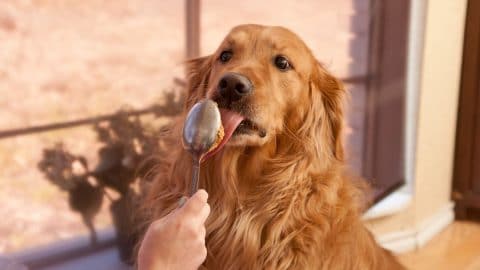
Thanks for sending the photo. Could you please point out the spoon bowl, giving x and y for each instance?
(201, 127)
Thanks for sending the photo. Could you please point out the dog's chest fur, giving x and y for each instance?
(278, 213)
(278, 218)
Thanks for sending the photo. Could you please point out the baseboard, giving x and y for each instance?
(408, 240)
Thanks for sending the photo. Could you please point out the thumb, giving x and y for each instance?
(195, 203)
(181, 202)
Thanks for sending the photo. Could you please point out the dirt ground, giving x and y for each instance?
(62, 60)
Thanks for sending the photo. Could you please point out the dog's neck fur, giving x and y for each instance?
(247, 171)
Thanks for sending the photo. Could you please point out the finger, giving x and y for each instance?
(195, 204)
(202, 195)
(203, 233)
(203, 214)
(171, 215)
(203, 254)
(200, 256)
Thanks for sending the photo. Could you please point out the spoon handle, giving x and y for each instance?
(195, 175)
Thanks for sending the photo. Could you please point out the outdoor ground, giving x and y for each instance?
(62, 60)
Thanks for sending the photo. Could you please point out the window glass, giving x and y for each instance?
(64, 61)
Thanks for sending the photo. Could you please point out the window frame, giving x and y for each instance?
(402, 197)
(384, 155)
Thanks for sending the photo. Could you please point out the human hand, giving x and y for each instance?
(177, 241)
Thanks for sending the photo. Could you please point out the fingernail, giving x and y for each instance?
(182, 201)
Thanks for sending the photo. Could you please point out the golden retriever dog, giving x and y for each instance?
(280, 195)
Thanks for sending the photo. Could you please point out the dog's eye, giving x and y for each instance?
(282, 63)
(225, 56)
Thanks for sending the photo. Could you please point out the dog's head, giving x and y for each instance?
(267, 83)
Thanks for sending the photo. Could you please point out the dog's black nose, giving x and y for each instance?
(233, 86)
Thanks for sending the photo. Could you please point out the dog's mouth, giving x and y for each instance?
(247, 126)
(235, 124)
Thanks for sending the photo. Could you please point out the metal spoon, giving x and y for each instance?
(199, 134)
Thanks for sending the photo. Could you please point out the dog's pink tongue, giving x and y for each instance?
(230, 122)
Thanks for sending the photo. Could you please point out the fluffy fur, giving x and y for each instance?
(285, 200)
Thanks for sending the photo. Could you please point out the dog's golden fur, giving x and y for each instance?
(285, 200)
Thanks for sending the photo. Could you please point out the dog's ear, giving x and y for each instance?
(198, 72)
(327, 113)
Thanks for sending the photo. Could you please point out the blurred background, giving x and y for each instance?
(86, 87)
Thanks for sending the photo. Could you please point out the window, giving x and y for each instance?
(64, 66)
